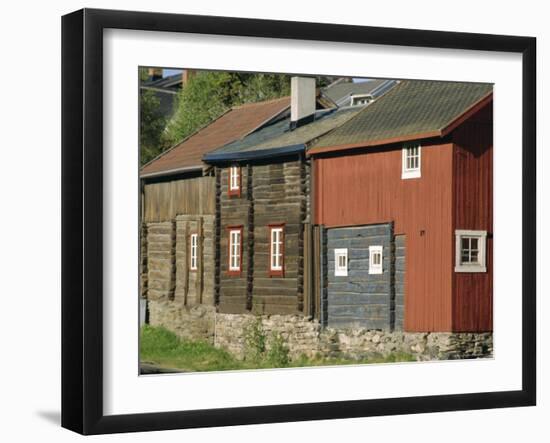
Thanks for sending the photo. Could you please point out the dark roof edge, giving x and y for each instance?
(254, 155)
(168, 172)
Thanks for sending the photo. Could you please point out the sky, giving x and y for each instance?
(168, 72)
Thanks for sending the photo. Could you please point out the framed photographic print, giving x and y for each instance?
(273, 221)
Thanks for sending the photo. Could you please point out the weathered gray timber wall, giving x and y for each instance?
(277, 199)
(143, 260)
(162, 202)
(195, 286)
(161, 260)
(167, 254)
(233, 212)
(399, 280)
(274, 193)
(361, 299)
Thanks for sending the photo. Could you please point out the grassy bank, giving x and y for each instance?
(161, 347)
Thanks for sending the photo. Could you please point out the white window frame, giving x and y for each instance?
(234, 178)
(235, 249)
(406, 171)
(355, 99)
(481, 265)
(193, 262)
(276, 248)
(341, 270)
(376, 268)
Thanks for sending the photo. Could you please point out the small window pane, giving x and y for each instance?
(470, 254)
(341, 262)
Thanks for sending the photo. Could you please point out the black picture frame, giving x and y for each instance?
(82, 215)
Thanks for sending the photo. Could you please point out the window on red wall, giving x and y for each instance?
(276, 250)
(234, 180)
(235, 249)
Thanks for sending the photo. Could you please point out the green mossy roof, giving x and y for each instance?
(410, 108)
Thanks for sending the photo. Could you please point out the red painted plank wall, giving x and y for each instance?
(473, 195)
(366, 187)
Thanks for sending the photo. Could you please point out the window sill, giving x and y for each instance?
(410, 174)
(470, 269)
(234, 273)
(276, 274)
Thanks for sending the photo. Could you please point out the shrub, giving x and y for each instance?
(278, 354)
(255, 341)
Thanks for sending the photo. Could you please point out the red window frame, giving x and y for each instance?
(276, 272)
(234, 192)
(234, 272)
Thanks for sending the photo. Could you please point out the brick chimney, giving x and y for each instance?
(302, 101)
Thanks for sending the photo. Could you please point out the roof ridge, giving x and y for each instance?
(466, 111)
(249, 104)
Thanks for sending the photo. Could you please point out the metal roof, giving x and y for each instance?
(278, 138)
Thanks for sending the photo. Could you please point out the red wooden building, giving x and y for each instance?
(420, 159)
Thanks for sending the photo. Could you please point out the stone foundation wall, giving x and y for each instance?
(303, 336)
(188, 323)
(423, 346)
(306, 337)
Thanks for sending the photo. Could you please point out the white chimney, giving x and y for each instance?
(302, 100)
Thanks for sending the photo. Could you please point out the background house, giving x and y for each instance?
(165, 88)
(405, 188)
(347, 92)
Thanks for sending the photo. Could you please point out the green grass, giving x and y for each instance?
(163, 348)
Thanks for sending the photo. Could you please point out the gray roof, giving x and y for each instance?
(343, 90)
(411, 109)
(278, 135)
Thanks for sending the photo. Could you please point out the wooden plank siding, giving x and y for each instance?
(272, 194)
(365, 187)
(163, 201)
(473, 203)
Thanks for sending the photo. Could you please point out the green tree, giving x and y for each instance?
(209, 94)
(152, 123)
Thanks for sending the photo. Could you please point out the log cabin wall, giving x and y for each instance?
(473, 210)
(371, 191)
(272, 193)
(233, 212)
(172, 210)
(279, 199)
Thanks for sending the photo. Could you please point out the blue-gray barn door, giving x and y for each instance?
(360, 299)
